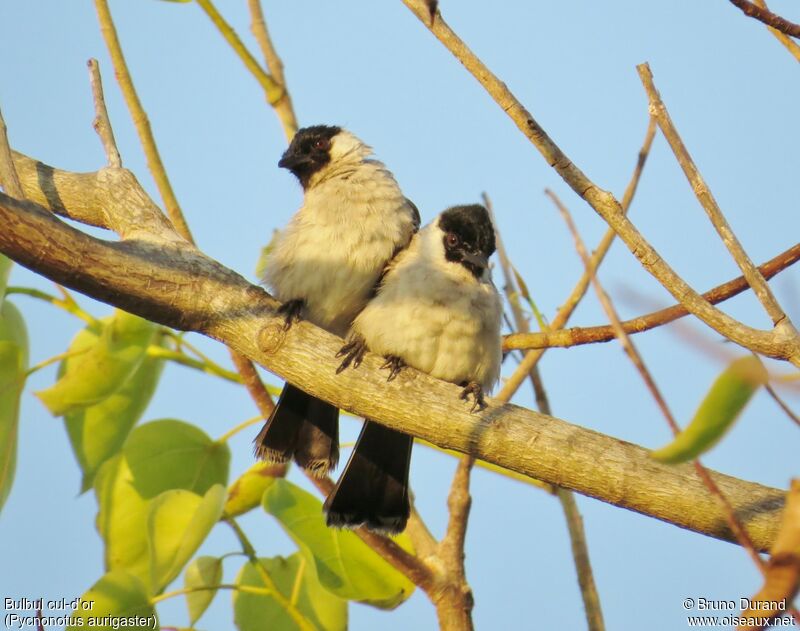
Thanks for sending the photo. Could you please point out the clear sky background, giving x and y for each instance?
(733, 93)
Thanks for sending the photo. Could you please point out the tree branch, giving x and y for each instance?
(779, 343)
(576, 336)
(754, 278)
(172, 283)
(762, 14)
(784, 39)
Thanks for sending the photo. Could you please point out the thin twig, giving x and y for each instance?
(578, 543)
(762, 14)
(272, 90)
(782, 404)
(246, 369)
(591, 335)
(253, 384)
(784, 39)
(564, 313)
(283, 106)
(101, 123)
(412, 567)
(733, 523)
(706, 199)
(140, 120)
(783, 344)
(294, 613)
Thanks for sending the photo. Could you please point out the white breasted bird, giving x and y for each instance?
(325, 266)
(438, 311)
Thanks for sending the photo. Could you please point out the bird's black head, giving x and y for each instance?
(309, 151)
(468, 237)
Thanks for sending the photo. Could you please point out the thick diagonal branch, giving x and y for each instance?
(178, 286)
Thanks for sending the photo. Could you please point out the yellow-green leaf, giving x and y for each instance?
(98, 432)
(101, 360)
(344, 564)
(177, 523)
(202, 572)
(246, 492)
(13, 363)
(115, 600)
(122, 519)
(171, 454)
(297, 582)
(722, 405)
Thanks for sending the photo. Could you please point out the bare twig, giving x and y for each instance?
(101, 123)
(454, 603)
(706, 199)
(272, 90)
(580, 549)
(782, 404)
(591, 335)
(283, 105)
(140, 119)
(783, 344)
(733, 522)
(762, 14)
(784, 39)
(566, 310)
(417, 570)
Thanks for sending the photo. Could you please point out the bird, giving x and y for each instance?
(324, 267)
(436, 310)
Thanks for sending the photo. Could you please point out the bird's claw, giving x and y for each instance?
(476, 390)
(395, 364)
(353, 352)
(291, 311)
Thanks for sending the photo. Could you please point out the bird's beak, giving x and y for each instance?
(292, 160)
(478, 260)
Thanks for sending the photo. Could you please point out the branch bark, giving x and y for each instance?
(170, 282)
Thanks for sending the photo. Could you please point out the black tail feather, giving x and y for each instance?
(373, 489)
(301, 427)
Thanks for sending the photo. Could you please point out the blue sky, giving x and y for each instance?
(732, 91)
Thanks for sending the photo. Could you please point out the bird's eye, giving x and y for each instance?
(452, 240)
(320, 143)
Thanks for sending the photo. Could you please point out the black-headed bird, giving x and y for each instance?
(324, 267)
(438, 311)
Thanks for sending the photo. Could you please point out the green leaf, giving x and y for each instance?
(202, 572)
(5, 271)
(100, 362)
(344, 564)
(98, 432)
(115, 600)
(13, 363)
(722, 405)
(296, 580)
(170, 454)
(122, 519)
(246, 492)
(177, 523)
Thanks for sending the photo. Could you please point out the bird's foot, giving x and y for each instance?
(476, 390)
(395, 364)
(353, 352)
(291, 311)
